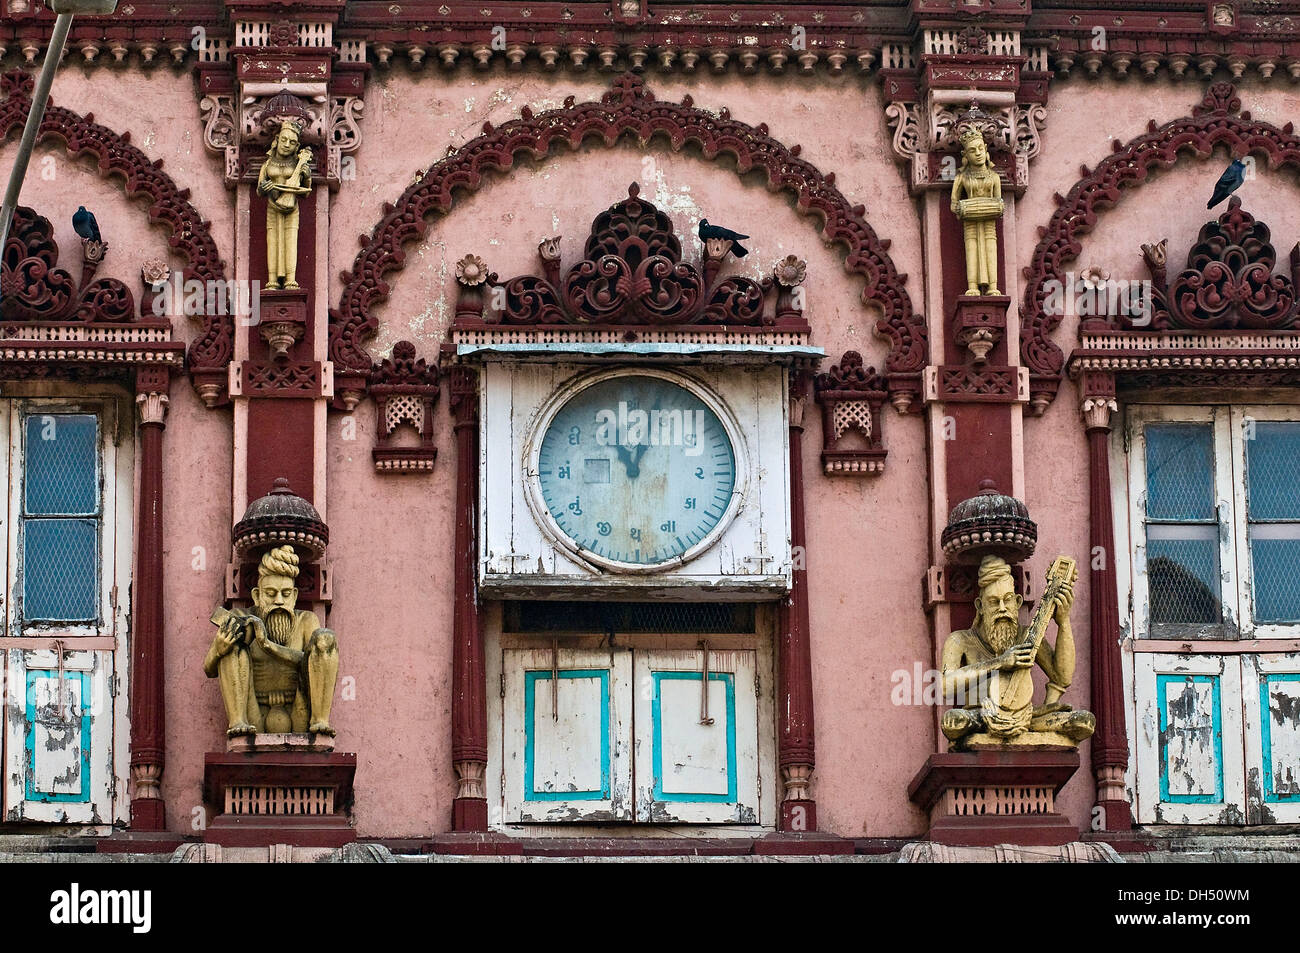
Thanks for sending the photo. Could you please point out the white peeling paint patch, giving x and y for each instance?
(469, 104)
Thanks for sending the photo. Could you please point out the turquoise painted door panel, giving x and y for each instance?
(566, 723)
(1189, 751)
(1271, 691)
(59, 754)
(697, 763)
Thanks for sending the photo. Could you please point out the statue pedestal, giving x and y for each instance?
(279, 789)
(988, 797)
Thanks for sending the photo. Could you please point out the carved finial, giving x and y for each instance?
(790, 272)
(471, 271)
(633, 190)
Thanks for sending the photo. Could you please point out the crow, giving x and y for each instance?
(1229, 182)
(708, 231)
(84, 224)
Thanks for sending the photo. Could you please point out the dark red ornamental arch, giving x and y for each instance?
(629, 109)
(1217, 121)
(191, 236)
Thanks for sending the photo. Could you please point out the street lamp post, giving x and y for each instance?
(65, 10)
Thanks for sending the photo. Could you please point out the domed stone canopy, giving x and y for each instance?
(989, 524)
(280, 517)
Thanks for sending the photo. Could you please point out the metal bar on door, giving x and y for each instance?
(704, 687)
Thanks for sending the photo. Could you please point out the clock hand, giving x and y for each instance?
(629, 464)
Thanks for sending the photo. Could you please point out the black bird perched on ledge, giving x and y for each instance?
(1228, 183)
(708, 231)
(84, 224)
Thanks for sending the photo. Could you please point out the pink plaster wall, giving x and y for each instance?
(197, 442)
(1083, 117)
(865, 619)
(392, 535)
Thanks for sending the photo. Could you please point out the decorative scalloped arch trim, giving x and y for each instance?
(1218, 120)
(628, 109)
(191, 236)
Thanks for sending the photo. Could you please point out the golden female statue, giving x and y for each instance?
(977, 201)
(285, 177)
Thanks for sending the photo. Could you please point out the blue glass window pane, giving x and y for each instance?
(61, 473)
(1272, 467)
(1276, 566)
(1183, 580)
(1180, 472)
(59, 571)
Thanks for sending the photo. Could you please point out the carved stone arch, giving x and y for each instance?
(628, 109)
(191, 235)
(1218, 120)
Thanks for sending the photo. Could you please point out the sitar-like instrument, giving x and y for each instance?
(1013, 692)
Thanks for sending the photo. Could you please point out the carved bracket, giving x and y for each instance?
(851, 397)
(405, 390)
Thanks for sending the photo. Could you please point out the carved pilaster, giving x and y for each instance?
(1110, 741)
(152, 407)
(148, 705)
(796, 747)
(469, 691)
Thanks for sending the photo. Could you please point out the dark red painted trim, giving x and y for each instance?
(796, 743)
(469, 688)
(628, 109)
(148, 704)
(1218, 122)
(1110, 741)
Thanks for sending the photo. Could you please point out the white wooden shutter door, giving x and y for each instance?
(1271, 693)
(687, 771)
(567, 735)
(1189, 758)
(58, 737)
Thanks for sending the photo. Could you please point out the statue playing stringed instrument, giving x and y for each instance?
(988, 668)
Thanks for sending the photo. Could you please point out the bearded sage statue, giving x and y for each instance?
(988, 668)
(276, 664)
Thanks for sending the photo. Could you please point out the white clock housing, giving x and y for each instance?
(635, 480)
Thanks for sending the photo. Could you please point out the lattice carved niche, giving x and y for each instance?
(405, 389)
(851, 396)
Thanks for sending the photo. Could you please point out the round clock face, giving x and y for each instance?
(637, 470)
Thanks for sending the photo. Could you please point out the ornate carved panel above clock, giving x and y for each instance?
(632, 480)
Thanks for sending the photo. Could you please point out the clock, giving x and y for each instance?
(635, 470)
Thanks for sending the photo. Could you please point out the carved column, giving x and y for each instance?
(148, 725)
(1110, 742)
(469, 698)
(796, 747)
